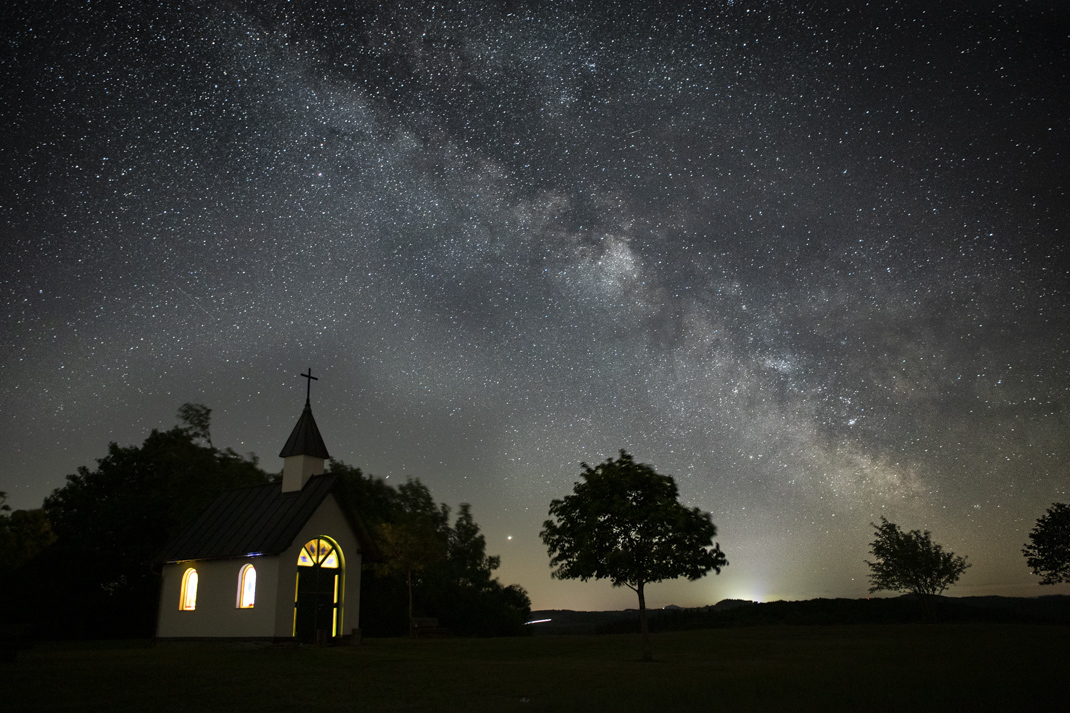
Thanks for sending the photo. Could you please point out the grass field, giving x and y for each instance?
(871, 669)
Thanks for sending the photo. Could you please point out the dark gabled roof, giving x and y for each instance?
(259, 520)
(305, 440)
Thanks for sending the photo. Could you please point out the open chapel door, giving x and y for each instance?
(320, 585)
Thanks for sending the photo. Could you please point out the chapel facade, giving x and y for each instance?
(274, 562)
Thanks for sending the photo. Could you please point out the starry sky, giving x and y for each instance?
(808, 259)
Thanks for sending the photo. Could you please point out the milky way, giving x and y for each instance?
(810, 262)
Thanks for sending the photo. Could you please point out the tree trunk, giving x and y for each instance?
(928, 606)
(412, 632)
(643, 628)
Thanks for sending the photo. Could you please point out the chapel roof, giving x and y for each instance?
(260, 520)
(305, 439)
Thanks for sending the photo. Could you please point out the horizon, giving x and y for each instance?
(660, 594)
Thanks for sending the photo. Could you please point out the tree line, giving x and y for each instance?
(82, 566)
(431, 567)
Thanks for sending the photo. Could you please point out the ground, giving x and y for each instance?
(834, 668)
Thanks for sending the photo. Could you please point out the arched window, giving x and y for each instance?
(188, 599)
(320, 552)
(246, 587)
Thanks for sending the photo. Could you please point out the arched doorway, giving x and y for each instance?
(320, 586)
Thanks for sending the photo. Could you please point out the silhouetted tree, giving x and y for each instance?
(1048, 551)
(7, 544)
(97, 579)
(911, 561)
(375, 500)
(198, 420)
(623, 522)
(467, 552)
(23, 535)
(415, 538)
(463, 591)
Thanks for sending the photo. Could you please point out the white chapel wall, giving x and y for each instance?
(217, 613)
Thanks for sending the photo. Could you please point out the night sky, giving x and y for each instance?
(812, 262)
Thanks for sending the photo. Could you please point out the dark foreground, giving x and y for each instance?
(989, 667)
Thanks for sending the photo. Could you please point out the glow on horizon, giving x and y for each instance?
(752, 595)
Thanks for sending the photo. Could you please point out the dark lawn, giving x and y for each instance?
(872, 669)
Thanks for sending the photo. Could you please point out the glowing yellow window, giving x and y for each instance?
(321, 552)
(188, 599)
(246, 587)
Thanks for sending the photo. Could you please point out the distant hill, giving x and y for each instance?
(1053, 609)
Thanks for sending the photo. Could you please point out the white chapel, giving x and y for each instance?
(270, 562)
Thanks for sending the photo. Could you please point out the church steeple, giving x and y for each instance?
(304, 453)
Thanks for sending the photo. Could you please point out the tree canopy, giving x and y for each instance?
(198, 420)
(111, 520)
(911, 561)
(23, 534)
(623, 522)
(1048, 550)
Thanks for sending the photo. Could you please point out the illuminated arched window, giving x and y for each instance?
(188, 600)
(246, 587)
(318, 552)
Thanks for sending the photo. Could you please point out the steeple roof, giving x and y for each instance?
(305, 440)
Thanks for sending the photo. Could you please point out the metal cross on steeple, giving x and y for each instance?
(308, 391)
